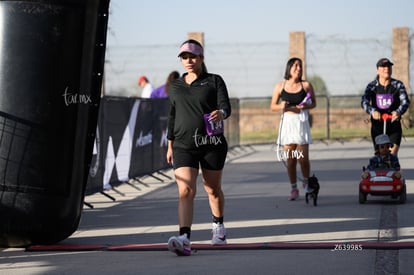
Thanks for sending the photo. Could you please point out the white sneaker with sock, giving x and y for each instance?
(180, 245)
(219, 234)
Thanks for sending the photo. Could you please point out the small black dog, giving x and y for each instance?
(313, 184)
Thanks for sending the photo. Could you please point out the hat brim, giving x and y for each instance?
(191, 48)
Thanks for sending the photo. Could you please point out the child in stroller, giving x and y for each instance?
(383, 157)
(382, 177)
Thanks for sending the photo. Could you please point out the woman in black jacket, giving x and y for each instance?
(386, 95)
(199, 103)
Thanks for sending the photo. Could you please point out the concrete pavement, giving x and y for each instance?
(267, 233)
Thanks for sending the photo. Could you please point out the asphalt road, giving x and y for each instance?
(267, 233)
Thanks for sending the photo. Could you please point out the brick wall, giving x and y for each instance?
(259, 119)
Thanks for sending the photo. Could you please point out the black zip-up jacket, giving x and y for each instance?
(188, 104)
(400, 101)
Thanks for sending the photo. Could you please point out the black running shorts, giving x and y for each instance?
(211, 157)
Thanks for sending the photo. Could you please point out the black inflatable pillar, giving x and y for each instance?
(51, 65)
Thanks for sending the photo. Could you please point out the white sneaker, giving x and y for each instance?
(219, 234)
(180, 245)
(306, 187)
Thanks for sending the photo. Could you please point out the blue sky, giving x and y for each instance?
(152, 22)
(144, 36)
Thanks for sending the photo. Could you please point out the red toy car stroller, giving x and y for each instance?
(382, 182)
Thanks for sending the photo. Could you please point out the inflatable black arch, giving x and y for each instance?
(51, 66)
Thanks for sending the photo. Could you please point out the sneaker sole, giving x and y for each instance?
(176, 247)
(218, 242)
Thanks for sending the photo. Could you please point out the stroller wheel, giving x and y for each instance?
(362, 197)
(403, 195)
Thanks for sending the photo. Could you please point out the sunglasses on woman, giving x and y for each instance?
(188, 56)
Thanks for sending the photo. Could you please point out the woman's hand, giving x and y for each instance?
(216, 116)
(292, 108)
(376, 115)
(169, 155)
(395, 116)
(301, 106)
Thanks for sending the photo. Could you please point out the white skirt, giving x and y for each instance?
(294, 129)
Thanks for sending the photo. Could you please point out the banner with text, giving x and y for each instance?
(131, 141)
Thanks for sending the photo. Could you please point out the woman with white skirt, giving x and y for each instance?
(294, 97)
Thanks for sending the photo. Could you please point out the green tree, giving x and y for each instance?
(318, 85)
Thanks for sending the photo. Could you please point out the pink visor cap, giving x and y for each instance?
(191, 48)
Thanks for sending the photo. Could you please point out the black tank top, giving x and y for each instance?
(293, 98)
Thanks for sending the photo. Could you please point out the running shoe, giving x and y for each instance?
(294, 194)
(304, 183)
(219, 234)
(306, 187)
(180, 245)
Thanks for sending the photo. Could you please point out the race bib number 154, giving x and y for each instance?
(384, 101)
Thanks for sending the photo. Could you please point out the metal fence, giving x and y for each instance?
(251, 70)
(334, 118)
(345, 65)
